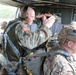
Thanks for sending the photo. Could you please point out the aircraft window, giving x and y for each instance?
(7, 12)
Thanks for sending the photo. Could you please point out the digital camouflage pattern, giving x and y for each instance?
(32, 40)
(25, 40)
(29, 41)
(60, 65)
(3, 65)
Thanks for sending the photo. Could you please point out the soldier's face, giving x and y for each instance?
(72, 46)
(30, 16)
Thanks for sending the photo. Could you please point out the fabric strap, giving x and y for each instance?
(15, 50)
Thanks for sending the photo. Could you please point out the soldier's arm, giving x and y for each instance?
(32, 40)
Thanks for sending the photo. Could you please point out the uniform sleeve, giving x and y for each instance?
(57, 65)
(32, 40)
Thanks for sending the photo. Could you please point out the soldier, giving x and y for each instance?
(23, 43)
(45, 17)
(62, 61)
(2, 28)
(10, 31)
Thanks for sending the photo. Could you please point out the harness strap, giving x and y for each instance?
(6, 38)
(11, 26)
(9, 65)
(14, 49)
(52, 52)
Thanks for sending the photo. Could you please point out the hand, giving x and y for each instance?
(50, 21)
(48, 14)
(39, 16)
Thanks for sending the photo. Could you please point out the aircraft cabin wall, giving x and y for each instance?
(66, 14)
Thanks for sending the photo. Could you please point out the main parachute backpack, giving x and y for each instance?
(7, 39)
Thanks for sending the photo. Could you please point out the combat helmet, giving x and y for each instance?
(68, 33)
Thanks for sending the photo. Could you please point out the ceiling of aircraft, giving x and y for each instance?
(71, 3)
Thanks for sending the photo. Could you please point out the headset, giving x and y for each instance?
(25, 8)
(23, 15)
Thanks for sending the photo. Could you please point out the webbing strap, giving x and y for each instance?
(9, 65)
(11, 26)
(14, 49)
(52, 52)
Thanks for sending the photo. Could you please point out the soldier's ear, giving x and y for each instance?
(70, 43)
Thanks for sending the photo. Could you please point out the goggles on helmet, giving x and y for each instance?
(71, 32)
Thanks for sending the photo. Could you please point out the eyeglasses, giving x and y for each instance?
(72, 32)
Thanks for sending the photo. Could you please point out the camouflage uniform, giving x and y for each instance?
(32, 41)
(25, 41)
(3, 65)
(58, 64)
(10, 53)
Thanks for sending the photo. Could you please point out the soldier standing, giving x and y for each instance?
(22, 43)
